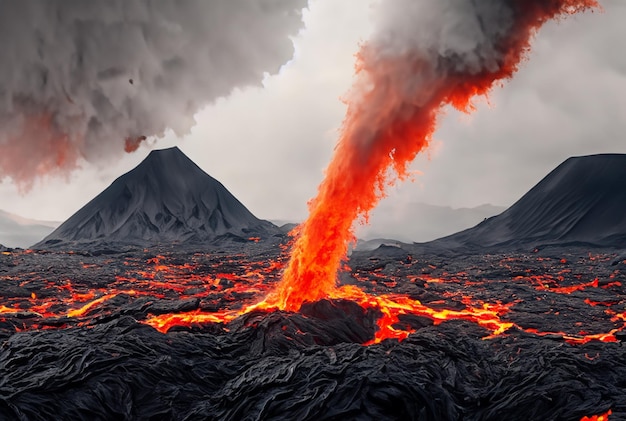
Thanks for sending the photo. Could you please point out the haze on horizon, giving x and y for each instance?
(269, 145)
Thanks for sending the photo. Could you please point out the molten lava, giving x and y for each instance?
(601, 417)
(469, 323)
(391, 117)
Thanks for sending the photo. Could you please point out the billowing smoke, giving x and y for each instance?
(424, 55)
(92, 78)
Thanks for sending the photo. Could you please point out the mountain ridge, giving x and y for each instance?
(581, 201)
(19, 232)
(166, 198)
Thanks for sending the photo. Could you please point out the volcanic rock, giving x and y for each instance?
(581, 202)
(99, 355)
(167, 198)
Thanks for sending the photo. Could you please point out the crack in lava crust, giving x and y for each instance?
(76, 326)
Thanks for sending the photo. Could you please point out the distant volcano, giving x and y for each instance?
(580, 202)
(166, 198)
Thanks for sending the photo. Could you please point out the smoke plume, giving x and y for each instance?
(90, 79)
(424, 56)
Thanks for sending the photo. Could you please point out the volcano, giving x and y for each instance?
(170, 333)
(581, 202)
(167, 198)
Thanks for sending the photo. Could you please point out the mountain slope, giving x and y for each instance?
(581, 201)
(166, 198)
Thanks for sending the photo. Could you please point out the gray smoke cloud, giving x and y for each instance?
(427, 54)
(415, 51)
(462, 33)
(431, 39)
(79, 77)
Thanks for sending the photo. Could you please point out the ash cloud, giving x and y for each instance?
(87, 79)
(417, 47)
(446, 51)
(461, 34)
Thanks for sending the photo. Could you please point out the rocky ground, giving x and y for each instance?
(515, 335)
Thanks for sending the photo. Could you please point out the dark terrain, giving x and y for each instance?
(106, 363)
(581, 202)
(166, 199)
(138, 308)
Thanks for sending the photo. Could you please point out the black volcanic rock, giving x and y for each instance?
(167, 198)
(582, 201)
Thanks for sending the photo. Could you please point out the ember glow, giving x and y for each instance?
(206, 289)
(602, 417)
(399, 304)
(391, 117)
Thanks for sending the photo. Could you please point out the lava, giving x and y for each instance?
(601, 417)
(391, 117)
(471, 307)
(205, 289)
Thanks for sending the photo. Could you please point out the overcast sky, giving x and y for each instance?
(269, 145)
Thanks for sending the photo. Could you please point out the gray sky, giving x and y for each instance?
(269, 145)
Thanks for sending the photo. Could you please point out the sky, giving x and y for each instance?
(269, 144)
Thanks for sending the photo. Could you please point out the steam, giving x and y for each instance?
(92, 78)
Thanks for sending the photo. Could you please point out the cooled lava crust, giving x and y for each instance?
(77, 341)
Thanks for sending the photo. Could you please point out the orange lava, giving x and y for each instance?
(165, 322)
(390, 305)
(231, 287)
(580, 339)
(602, 417)
(84, 309)
(384, 129)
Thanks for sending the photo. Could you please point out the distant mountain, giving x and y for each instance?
(413, 222)
(582, 201)
(422, 222)
(16, 231)
(167, 198)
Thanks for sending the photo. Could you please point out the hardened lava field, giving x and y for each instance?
(165, 333)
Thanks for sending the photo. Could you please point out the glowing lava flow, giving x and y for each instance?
(391, 117)
(214, 290)
(391, 306)
(165, 322)
(602, 417)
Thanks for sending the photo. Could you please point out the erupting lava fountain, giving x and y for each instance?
(425, 56)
